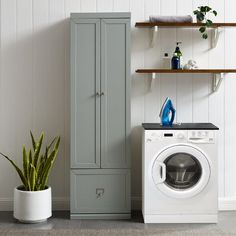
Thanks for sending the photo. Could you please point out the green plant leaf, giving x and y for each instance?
(50, 145)
(30, 162)
(208, 22)
(43, 160)
(46, 170)
(43, 170)
(33, 175)
(25, 163)
(214, 12)
(205, 36)
(202, 29)
(202, 9)
(207, 8)
(30, 157)
(20, 173)
(33, 141)
(200, 16)
(58, 143)
(40, 160)
(37, 149)
(46, 175)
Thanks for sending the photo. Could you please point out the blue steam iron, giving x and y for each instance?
(167, 113)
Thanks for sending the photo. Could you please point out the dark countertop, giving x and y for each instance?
(181, 126)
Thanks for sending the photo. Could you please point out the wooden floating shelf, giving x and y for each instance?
(197, 71)
(218, 74)
(176, 24)
(216, 28)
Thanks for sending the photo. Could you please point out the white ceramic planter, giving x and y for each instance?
(32, 206)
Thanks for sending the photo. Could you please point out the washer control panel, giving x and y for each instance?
(191, 136)
(201, 136)
(166, 135)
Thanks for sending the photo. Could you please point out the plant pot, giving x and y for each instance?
(32, 206)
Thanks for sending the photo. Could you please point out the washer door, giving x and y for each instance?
(181, 171)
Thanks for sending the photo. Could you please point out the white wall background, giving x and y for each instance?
(34, 83)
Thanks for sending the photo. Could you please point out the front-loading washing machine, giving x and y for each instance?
(179, 173)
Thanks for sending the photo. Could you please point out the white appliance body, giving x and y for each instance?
(172, 192)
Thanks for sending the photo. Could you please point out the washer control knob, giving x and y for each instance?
(180, 136)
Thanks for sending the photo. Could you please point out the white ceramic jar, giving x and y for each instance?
(32, 206)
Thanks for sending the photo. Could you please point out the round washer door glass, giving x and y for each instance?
(181, 171)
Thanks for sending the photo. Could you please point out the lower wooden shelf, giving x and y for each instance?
(218, 74)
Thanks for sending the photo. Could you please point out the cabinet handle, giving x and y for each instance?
(102, 94)
(100, 192)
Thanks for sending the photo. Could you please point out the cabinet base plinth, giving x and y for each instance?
(100, 216)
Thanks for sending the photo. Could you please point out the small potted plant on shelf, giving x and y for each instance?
(32, 199)
(201, 15)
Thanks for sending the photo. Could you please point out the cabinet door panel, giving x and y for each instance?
(85, 83)
(100, 191)
(115, 85)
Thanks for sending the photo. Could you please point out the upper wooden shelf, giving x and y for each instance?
(175, 24)
(217, 28)
(196, 71)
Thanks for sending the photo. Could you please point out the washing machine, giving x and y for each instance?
(179, 173)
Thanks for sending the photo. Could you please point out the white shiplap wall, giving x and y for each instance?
(34, 82)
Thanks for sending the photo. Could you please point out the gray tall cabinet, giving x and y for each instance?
(100, 115)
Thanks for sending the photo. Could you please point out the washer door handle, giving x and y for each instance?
(162, 172)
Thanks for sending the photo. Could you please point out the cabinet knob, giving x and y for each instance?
(97, 94)
(102, 94)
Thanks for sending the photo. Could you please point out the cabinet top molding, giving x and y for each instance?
(101, 15)
(176, 24)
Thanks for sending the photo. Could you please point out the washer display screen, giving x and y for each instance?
(183, 171)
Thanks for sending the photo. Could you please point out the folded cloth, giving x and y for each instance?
(179, 19)
(191, 65)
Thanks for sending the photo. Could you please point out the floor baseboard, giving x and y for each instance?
(58, 203)
(227, 204)
(61, 203)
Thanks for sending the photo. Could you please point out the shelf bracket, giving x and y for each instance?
(217, 79)
(154, 32)
(153, 77)
(215, 36)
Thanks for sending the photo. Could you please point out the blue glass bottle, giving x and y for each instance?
(175, 62)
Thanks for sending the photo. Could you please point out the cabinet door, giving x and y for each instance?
(85, 83)
(100, 191)
(115, 84)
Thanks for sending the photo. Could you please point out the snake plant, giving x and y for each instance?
(36, 166)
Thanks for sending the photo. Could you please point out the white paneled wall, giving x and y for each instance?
(34, 82)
